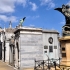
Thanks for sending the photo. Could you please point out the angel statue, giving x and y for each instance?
(21, 21)
(65, 10)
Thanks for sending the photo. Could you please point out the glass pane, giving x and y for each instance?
(50, 48)
(45, 47)
(55, 47)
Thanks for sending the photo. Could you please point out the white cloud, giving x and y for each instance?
(3, 17)
(48, 3)
(23, 2)
(34, 6)
(44, 2)
(8, 6)
(6, 18)
(51, 4)
(13, 18)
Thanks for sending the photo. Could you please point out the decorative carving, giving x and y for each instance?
(17, 35)
(12, 40)
(50, 40)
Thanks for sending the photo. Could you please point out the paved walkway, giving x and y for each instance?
(4, 66)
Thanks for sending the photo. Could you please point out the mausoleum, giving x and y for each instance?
(35, 43)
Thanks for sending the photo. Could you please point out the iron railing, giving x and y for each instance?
(49, 64)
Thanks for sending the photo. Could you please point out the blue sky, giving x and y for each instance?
(38, 13)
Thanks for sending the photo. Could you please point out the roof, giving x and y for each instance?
(50, 31)
(35, 29)
(10, 30)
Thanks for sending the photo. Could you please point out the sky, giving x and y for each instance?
(38, 13)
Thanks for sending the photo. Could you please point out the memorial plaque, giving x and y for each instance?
(31, 48)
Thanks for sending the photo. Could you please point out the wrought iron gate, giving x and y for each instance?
(46, 64)
(50, 64)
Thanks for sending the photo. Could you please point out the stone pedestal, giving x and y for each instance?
(65, 50)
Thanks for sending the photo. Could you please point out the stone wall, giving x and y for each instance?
(31, 48)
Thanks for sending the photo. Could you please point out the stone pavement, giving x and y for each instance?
(4, 66)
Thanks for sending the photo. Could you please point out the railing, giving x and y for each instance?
(49, 64)
(46, 64)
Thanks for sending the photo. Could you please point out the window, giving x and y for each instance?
(55, 47)
(63, 48)
(50, 48)
(63, 54)
(45, 47)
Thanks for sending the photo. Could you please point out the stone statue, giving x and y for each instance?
(12, 40)
(65, 10)
(21, 21)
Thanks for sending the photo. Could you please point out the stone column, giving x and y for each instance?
(11, 56)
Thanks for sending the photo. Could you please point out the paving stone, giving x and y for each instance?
(4, 66)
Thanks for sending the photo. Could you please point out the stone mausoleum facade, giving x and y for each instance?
(26, 44)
